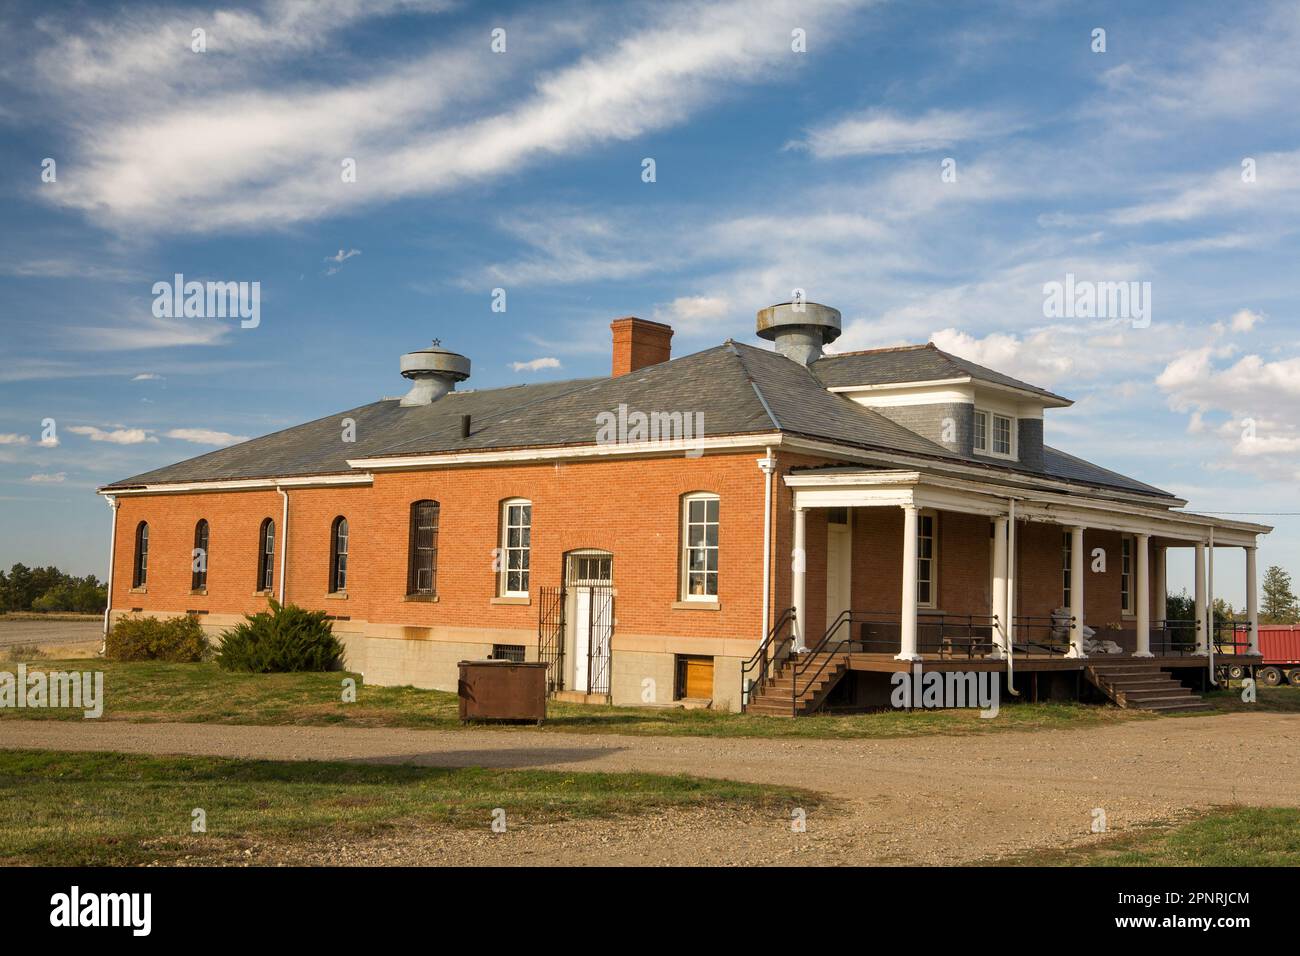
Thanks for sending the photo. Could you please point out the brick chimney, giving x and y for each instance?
(638, 343)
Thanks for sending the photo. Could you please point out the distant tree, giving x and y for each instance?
(49, 589)
(1180, 607)
(1279, 604)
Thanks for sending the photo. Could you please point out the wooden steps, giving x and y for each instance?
(1135, 684)
(777, 700)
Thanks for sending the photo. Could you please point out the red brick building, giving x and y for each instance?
(649, 533)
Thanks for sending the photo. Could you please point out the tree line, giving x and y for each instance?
(1277, 603)
(49, 589)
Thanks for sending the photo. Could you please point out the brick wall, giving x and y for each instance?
(628, 508)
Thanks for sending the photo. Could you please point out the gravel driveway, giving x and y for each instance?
(929, 800)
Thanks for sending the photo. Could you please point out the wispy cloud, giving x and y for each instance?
(881, 132)
(56, 478)
(117, 436)
(338, 259)
(143, 162)
(535, 365)
(205, 436)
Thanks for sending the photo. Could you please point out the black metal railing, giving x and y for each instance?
(1174, 638)
(775, 647)
(1232, 637)
(1042, 635)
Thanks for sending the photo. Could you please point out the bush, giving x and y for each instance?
(285, 638)
(176, 639)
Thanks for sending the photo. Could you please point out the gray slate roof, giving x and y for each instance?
(739, 389)
(912, 363)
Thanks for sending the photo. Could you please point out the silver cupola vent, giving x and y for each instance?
(433, 372)
(799, 329)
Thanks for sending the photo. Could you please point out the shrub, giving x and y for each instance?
(177, 639)
(285, 638)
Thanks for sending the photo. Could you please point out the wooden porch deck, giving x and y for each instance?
(885, 663)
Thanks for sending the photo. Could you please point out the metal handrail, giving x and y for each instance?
(1050, 624)
(979, 629)
(762, 661)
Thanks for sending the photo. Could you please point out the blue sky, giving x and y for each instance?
(522, 170)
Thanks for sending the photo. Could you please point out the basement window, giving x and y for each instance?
(508, 652)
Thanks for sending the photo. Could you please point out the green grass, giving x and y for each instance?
(83, 809)
(202, 693)
(1225, 836)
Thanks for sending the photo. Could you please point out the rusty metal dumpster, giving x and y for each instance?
(502, 690)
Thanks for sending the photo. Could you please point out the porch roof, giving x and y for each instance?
(840, 487)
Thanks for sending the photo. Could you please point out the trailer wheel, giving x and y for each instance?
(1270, 676)
(1236, 672)
(1293, 676)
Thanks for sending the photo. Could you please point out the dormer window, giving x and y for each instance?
(1001, 435)
(995, 434)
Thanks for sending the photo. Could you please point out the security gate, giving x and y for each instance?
(575, 624)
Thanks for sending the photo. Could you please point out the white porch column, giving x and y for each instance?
(1202, 603)
(1000, 603)
(1076, 593)
(907, 630)
(799, 563)
(1143, 596)
(1252, 600)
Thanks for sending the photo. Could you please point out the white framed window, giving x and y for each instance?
(516, 546)
(1126, 548)
(700, 547)
(927, 559)
(1001, 435)
(995, 434)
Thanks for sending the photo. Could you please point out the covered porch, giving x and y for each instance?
(893, 568)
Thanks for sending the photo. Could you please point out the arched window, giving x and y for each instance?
(422, 558)
(700, 547)
(140, 567)
(199, 557)
(339, 555)
(266, 556)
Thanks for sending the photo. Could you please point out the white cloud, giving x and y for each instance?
(143, 160)
(11, 438)
(118, 436)
(535, 365)
(338, 259)
(143, 330)
(147, 377)
(205, 436)
(879, 132)
(51, 479)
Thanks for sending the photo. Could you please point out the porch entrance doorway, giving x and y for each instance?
(839, 565)
(589, 587)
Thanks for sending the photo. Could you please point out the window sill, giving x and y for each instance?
(521, 599)
(139, 590)
(199, 592)
(697, 606)
(421, 598)
(269, 592)
(336, 596)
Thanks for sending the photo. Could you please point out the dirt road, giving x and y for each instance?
(46, 633)
(931, 800)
